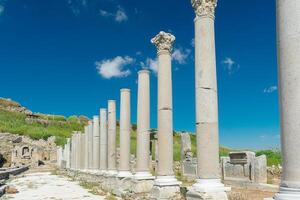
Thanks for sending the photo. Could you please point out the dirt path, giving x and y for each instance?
(42, 186)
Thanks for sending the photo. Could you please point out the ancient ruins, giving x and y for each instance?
(92, 154)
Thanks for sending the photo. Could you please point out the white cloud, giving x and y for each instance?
(105, 13)
(1, 9)
(119, 16)
(151, 64)
(111, 68)
(270, 89)
(180, 55)
(230, 65)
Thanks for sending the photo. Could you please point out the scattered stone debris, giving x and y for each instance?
(11, 190)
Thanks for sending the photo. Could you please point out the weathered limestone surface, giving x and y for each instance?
(90, 143)
(288, 47)
(143, 127)
(244, 167)
(165, 185)
(208, 185)
(86, 147)
(103, 140)
(125, 129)
(112, 132)
(96, 143)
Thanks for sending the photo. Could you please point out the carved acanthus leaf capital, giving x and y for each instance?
(163, 41)
(205, 7)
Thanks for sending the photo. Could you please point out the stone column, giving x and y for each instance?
(77, 150)
(103, 140)
(96, 143)
(288, 48)
(86, 148)
(90, 143)
(125, 131)
(143, 126)
(208, 185)
(165, 183)
(68, 154)
(112, 133)
(82, 151)
(73, 151)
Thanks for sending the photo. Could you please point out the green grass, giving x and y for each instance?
(273, 156)
(14, 122)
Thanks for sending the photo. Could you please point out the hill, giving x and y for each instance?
(16, 119)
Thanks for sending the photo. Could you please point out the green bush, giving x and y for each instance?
(273, 156)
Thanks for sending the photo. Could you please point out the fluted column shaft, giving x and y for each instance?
(112, 133)
(288, 47)
(163, 42)
(103, 139)
(206, 92)
(125, 130)
(96, 143)
(143, 122)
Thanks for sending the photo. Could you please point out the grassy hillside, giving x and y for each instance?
(17, 123)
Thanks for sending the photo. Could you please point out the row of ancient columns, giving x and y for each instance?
(96, 148)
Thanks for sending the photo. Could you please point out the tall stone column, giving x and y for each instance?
(96, 143)
(103, 140)
(90, 143)
(208, 185)
(68, 154)
(82, 151)
(125, 132)
(86, 147)
(165, 183)
(288, 49)
(77, 144)
(112, 133)
(72, 151)
(143, 126)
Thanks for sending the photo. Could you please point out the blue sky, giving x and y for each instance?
(71, 56)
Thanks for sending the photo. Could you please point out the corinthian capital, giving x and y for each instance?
(205, 7)
(163, 42)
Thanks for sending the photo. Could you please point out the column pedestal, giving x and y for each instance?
(166, 187)
(208, 189)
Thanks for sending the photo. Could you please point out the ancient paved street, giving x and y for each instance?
(41, 186)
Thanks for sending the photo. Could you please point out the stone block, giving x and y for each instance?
(165, 192)
(141, 186)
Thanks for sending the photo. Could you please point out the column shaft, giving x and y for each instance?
(96, 143)
(125, 129)
(143, 122)
(90, 143)
(103, 139)
(112, 133)
(206, 98)
(288, 46)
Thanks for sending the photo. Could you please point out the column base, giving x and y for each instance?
(112, 172)
(143, 176)
(286, 193)
(208, 189)
(124, 174)
(165, 187)
(142, 182)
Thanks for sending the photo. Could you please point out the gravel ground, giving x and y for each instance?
(44, 186)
